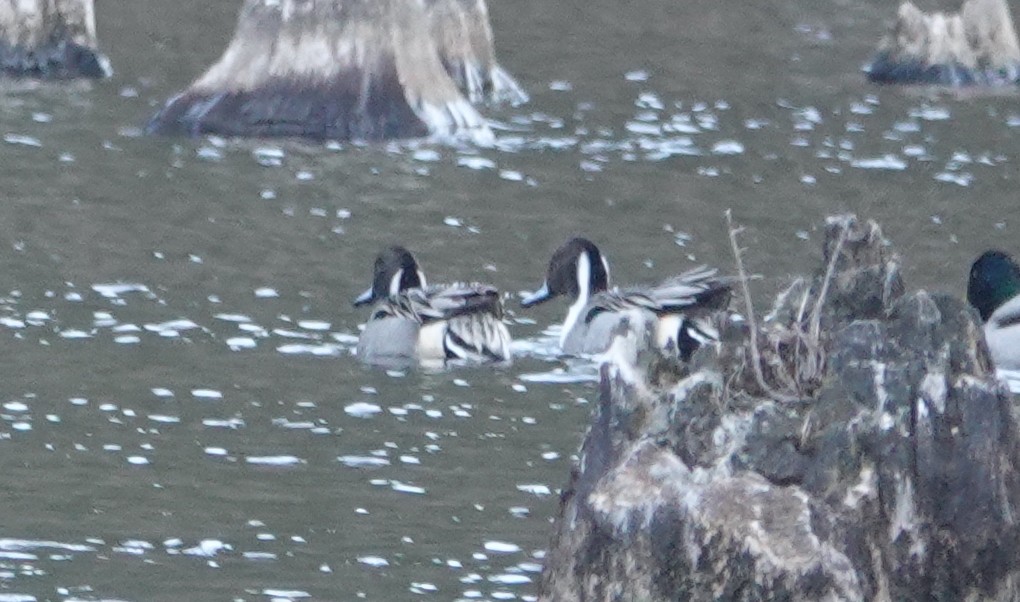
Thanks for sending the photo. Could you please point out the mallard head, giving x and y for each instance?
(994, 280)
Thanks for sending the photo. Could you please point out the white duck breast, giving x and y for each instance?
(578, 306)
(1002, 331)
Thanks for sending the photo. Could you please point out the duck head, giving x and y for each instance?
(577, 270)
(994, 280)
(395, 271)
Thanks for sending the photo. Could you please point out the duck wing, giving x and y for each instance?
(440, 302)
(700, 288)
(474, 321)
(477, 337)
(443, 302)
(697, 289)
(685, 306)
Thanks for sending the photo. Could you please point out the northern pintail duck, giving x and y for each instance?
(994, 290)
(679, 309)
(413, 321)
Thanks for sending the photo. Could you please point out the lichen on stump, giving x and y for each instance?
(50, 39)
(975, 46)
(363, 70)
(893, 477)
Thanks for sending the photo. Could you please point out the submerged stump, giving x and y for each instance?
(363, 70)
(873, 460)
(975, 46)
(50, 39)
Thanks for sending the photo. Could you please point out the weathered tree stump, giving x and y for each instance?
(364, 70)
(976, 46)
(50, 39)
(887, 473)
(463, 37)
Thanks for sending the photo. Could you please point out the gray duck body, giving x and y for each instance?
(678, 312)
(412, 322)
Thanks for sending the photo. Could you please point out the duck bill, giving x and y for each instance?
(364, 298)
(539, 296)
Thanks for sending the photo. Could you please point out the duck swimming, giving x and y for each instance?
(994, 290)
(679, 310)
(413, 321)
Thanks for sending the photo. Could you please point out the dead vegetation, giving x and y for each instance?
(787, 357)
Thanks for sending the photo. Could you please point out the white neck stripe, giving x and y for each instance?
(605, 264)
(583, 293)
(583, 275)
(395, 283)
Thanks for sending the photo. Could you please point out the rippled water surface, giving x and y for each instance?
(182, 418)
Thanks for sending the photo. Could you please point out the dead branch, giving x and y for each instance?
(752, 322)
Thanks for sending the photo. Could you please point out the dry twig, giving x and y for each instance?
(816, 365)
(808, 356)
(752, 322)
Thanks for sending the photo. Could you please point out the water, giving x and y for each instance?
(181, 416)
